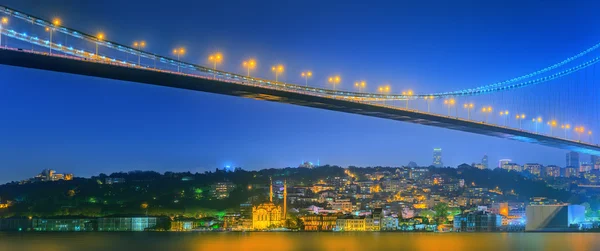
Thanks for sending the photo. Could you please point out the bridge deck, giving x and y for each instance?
(162, 78)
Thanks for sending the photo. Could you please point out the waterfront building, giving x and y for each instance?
(389, 223)
(184, 224)
(268, 215)
(479, 221)
(319, 222)
(15, 224)
(127, 223)
(66, 224)
(554, 217)
(350, 223)
(437, 157)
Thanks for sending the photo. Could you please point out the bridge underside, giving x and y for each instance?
(89, 68)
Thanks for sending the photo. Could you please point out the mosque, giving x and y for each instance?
(268, 215)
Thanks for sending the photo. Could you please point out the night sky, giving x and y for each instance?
(88, 126)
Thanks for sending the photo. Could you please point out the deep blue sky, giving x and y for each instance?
(87, 125)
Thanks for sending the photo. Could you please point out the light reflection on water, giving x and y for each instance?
(297, 241)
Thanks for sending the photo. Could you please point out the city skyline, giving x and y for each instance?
(65, 141)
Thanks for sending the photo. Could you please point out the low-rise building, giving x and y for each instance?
(319, 222)
(350, 223)
(63, 224)
(479, 221)
(127, 223)
(554, 217)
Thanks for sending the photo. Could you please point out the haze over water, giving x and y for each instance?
(297, 241)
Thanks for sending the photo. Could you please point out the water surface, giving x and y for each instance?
(297, 241)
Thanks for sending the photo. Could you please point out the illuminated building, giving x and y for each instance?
(571, 172)
(350, 223)
(341, 205)
(512, 167)
(484, 162)
(114, 180)
(553, 171)
(585, 168)
(389, 223)
(503, 162)
(66, 224)
(479, 221)
(51, 175)
(127, 223)
(319, 222)
(437, 157)
(595, 161)
(307, 164)
(268, 215)
(572, 159)
(533, 168)
(553, 217)
(221, 190)
(184, 224)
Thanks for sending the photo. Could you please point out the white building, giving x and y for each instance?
(553, 217)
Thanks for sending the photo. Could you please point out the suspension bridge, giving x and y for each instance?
(511, 109)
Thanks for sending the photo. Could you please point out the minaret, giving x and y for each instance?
(271, 190)
(284, 199)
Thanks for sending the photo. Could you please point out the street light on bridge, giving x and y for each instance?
(408, 94)
(3, 21)
(99, 38)
(360, 85)
(469, 107)
(537, 121)
(487, 111)
(520, 118)
(249, 64)
(277, 69)
(56, 22)
(590, 137)
(565, 128)
(384, 90)
(449, 102)
(306, 75)
(505, 114)
(428, 99)
(579, 130)
(552, 124)
(216, 58)
(335, 80)
(179, 52)
(138, 46)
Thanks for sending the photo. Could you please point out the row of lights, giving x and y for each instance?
(251, 64)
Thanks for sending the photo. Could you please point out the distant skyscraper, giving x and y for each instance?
(484, 162)
(437, 157)
(572, 159)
